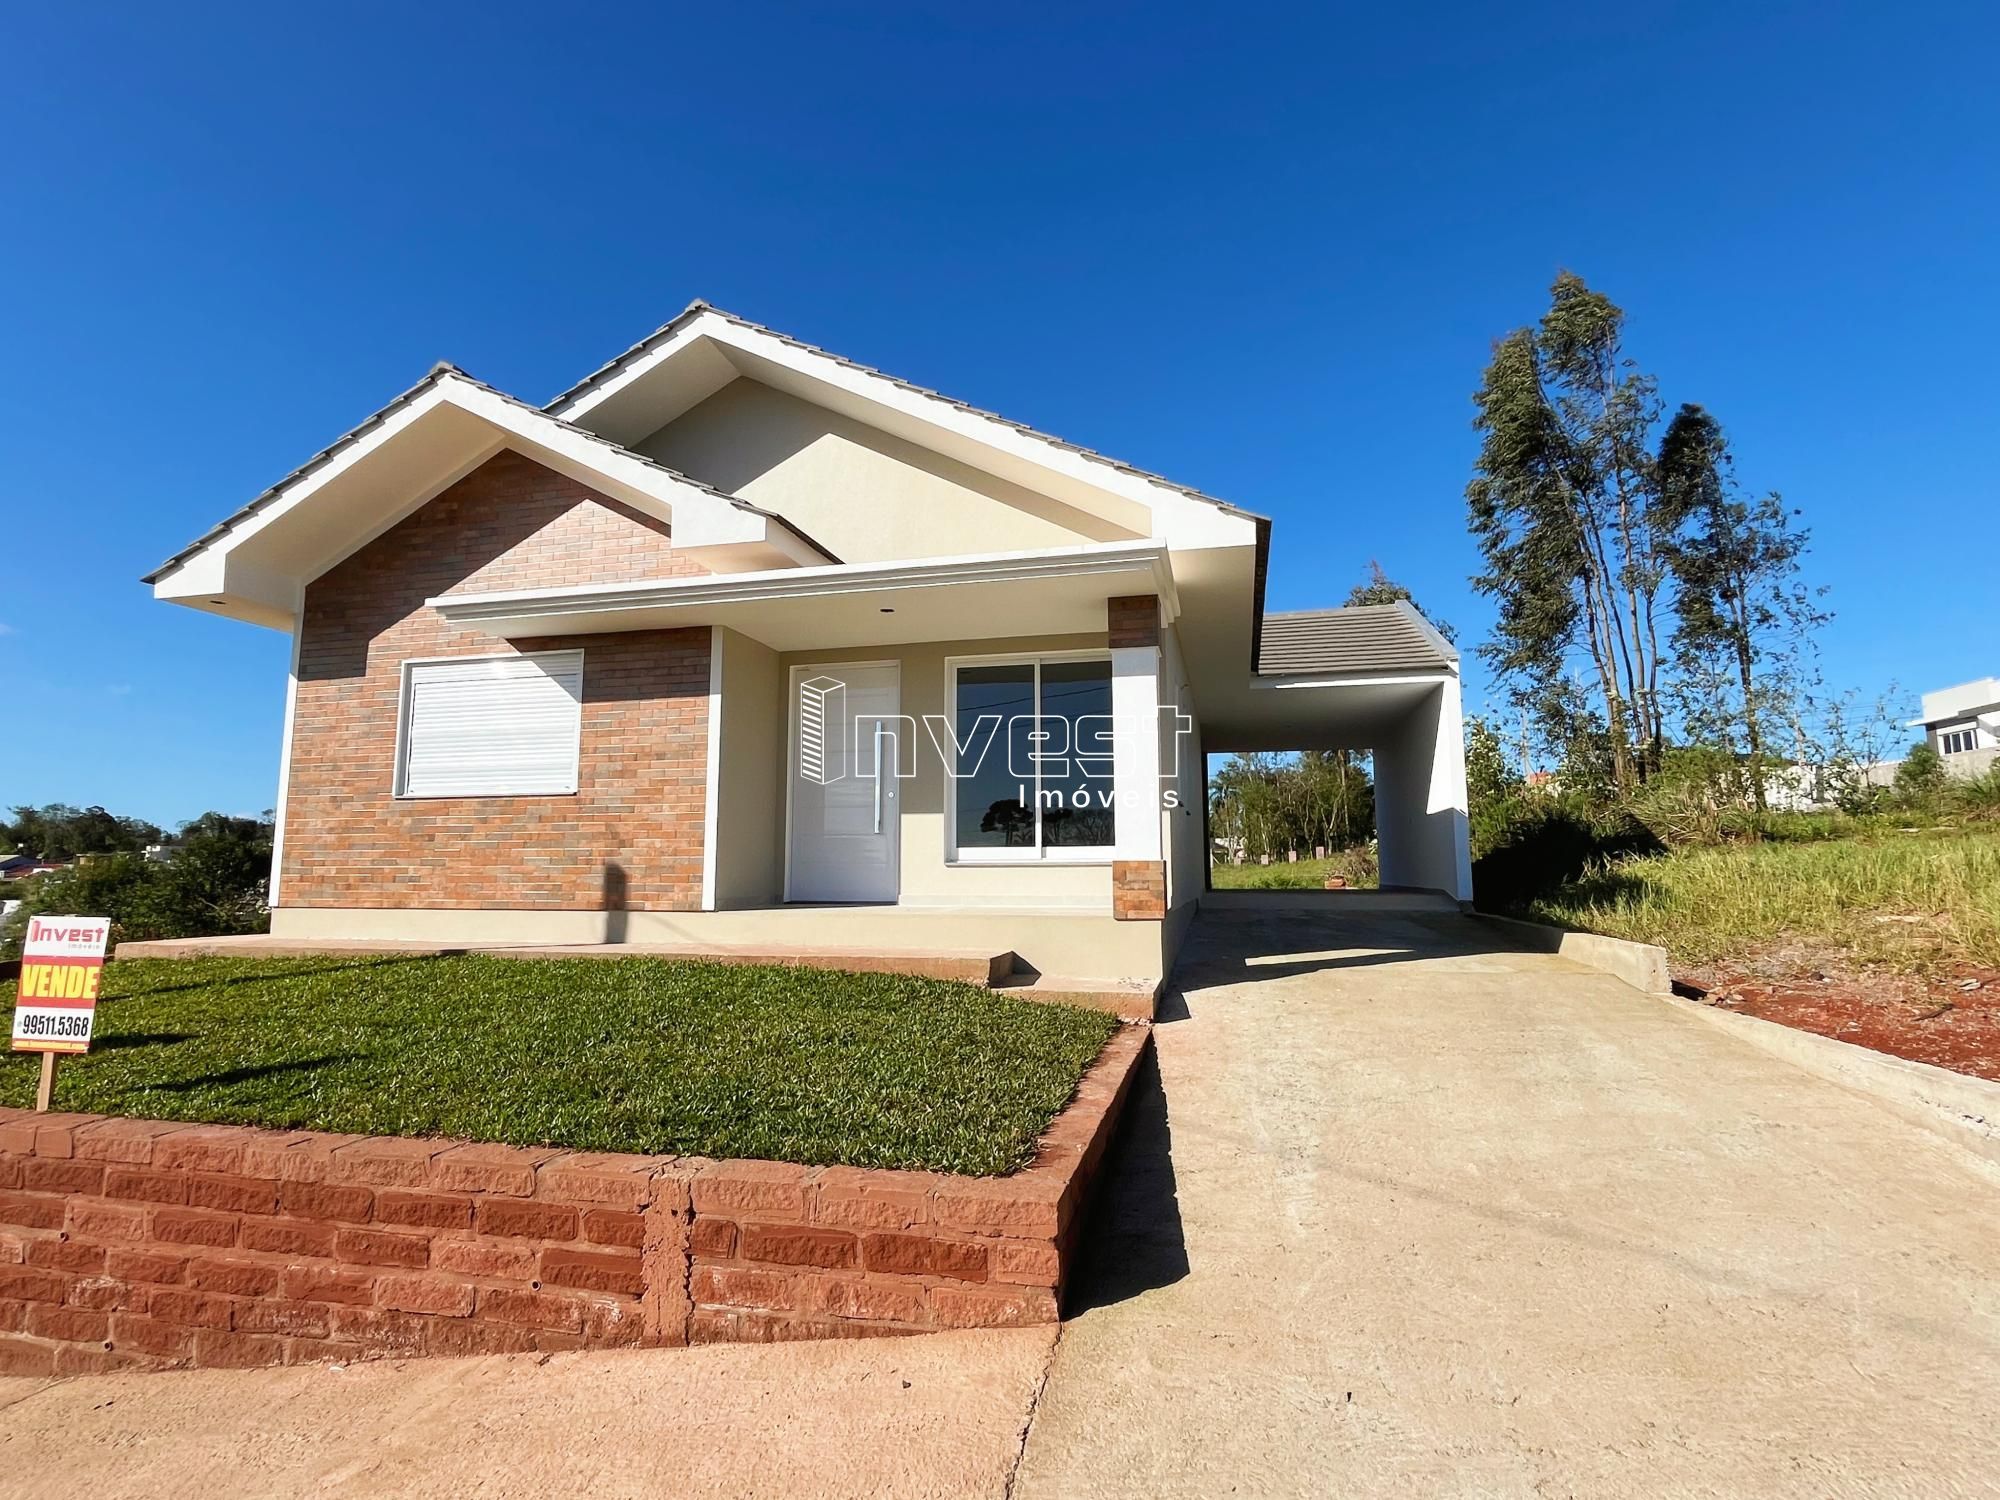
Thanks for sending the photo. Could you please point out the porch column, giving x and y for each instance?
(1138, 869)
(1420, 797)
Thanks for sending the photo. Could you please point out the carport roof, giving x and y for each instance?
(1358, 640)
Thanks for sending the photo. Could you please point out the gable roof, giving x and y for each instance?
(255, 564)
(440, 372)
(1361, 639)
(578, 397)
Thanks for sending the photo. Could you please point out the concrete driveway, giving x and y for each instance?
(1401, 1213)
(1412, 1216)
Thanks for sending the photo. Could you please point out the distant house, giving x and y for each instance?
(21, 866)
(1963, 725)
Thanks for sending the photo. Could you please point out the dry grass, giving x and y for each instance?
(1915, 902)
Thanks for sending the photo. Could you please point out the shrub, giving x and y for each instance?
(1921, 781)
(1980, 799)
(1541, 843)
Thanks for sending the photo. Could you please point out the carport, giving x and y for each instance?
(1376, 678)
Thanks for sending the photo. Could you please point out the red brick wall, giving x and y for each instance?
(144, 1244)
(631, 835)
(136, 1243)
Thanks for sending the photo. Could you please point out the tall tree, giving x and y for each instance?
(1742, 611)
(1563, 502)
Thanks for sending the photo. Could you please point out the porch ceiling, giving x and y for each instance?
(1328, 714)
(1057, 592)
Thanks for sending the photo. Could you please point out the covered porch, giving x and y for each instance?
(844, 705)
(1374, 679)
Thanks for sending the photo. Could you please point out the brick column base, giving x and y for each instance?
(1139, 890)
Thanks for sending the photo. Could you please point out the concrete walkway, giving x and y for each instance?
(1398, 1215)
(1415, 1217)
(934, 1416)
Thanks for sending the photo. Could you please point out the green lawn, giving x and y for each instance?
(1904, 901)
(629, 1054)
(1306, 874)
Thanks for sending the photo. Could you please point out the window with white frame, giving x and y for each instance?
(490, 726)
(1955, 741)
(1033, 772)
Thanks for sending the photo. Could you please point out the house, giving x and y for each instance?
(1963, 725)
(21, 866)
(627, 665)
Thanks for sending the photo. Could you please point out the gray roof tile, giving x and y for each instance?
(1357, 640)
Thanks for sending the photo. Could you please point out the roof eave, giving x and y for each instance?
(699, 512)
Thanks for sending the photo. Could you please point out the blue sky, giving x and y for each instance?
(1262, 251)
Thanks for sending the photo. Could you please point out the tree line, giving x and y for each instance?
(211, 878)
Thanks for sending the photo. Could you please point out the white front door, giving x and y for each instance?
(845, 843)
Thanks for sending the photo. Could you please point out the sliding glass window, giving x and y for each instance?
(1034, 759)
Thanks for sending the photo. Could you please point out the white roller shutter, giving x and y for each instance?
(491, 726)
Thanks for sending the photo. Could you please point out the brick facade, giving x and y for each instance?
(145, 1244)
(631, 836)
(1139, 890)
(1133, 620)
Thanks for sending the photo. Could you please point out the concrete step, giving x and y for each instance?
(1129, 1000)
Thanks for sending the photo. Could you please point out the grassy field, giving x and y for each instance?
(597, 1054)
(1912, 901)
(1307, 874)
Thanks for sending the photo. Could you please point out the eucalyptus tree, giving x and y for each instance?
(1745, 618)
(1564, 504)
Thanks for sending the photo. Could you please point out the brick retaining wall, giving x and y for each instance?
(147, 1244)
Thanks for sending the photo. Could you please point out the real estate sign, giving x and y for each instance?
(61, 963)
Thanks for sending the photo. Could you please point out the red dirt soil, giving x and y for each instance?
(1935, 1020)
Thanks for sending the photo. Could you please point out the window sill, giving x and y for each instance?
(474, 796)
(1101, 858)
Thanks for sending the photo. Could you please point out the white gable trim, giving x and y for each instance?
(1181, 517)
(473, 422)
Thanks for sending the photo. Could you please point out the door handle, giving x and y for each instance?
(878, 777)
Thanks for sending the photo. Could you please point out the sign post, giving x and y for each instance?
(62, 962)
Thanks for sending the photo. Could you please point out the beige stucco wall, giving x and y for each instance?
(866, 495)
(928, 879)
(750, 806)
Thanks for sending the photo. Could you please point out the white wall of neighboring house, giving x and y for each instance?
(1963, 725)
